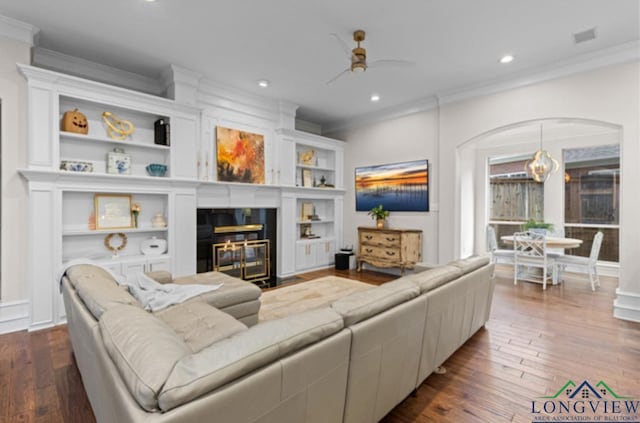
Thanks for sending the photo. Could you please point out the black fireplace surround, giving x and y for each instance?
(235, 227)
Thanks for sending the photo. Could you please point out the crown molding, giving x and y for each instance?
(620, 54)
(18, 30)
(303, 136)
(181, 84)
(83, 68)
(176, 74)
(395, 112)
(220, 96)
(74, 85)
(307, 126)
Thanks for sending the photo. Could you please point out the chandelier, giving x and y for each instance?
(541, 164)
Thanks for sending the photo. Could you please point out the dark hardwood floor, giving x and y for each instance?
(534, 342)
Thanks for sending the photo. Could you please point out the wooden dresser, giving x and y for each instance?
(389, 247)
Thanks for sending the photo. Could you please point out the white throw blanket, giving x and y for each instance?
(151, 294)
(155, 296)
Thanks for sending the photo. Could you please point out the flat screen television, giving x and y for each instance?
(397, 186)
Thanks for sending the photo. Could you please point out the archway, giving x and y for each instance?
(520, 139)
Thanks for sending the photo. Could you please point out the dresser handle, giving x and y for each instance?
(368, 250)
(368, 236)
(390, 253)
(390, 239)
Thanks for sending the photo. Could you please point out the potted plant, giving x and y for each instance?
(380, 215)
(540, 227)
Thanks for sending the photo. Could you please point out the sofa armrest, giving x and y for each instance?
(238, 355)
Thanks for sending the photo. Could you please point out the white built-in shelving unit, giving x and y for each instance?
(325, 199)
(61, 202)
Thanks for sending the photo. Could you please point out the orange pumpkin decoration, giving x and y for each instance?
(74, 121)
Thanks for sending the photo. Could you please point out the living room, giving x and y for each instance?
(452, 126)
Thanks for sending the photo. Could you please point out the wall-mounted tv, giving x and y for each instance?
(397, 186)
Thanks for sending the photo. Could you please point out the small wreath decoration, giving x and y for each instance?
(115, 249)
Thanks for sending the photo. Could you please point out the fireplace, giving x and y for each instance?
(240, 242)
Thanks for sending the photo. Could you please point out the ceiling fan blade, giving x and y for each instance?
(343, 45)
(344, 72)
(390, 62)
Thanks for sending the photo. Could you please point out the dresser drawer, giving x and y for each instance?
(387, 239)
(386, 253)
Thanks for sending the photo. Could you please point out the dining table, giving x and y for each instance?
(552, 241)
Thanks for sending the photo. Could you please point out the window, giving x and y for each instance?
(592, 198)
(514, 196)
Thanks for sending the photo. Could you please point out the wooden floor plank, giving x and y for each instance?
(533, 343)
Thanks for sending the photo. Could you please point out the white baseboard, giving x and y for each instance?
(627, 306)
(14, 316)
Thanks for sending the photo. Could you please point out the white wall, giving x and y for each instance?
(609, 95)
(13, 95)
(411, 137)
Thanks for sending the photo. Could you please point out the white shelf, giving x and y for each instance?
(105, 140)
(88, 232)
(301, 222)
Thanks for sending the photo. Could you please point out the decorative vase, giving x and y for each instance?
(380, 223)
(158, 221)
(135, 220)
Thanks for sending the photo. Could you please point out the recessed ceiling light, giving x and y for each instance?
(150, 1)
(375, 97)
(263, 83)
(506, 59)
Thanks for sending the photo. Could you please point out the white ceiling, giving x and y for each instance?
(454, 43)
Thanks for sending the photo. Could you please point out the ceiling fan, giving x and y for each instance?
(358, 57)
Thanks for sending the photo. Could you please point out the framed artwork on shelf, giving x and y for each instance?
(113, 211)
(308, 158)
(240, 156)
(307, 178)
(397, 186)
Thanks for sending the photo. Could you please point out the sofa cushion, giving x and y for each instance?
(143, 348)
(234, 290)
(433, 278)
(231, 358)
(362, 305)
(199, 324)
(81, 272)
(471, 263)
(100, 293)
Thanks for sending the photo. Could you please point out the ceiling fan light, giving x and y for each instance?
(358, 67)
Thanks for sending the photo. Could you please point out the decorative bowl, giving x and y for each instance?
(156, 169)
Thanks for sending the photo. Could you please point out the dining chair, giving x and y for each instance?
(585, 263)
(530, 250)
(498, 255)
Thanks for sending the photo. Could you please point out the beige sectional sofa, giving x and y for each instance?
(208, 359)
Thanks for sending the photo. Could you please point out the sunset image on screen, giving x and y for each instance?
(397, 186)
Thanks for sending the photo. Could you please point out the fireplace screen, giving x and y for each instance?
(248, 260)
